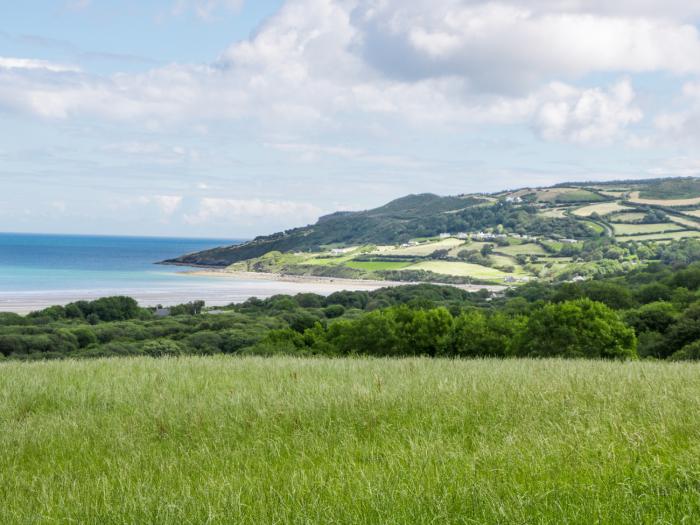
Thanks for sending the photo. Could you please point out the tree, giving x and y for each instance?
(476, 335)
(162, 347)
(653, 292)
(580, 328)
(655, 317)
(690, 352)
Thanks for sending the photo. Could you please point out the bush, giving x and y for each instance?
(333, 311)
(580, 328)
(162, 348)
(690, 352)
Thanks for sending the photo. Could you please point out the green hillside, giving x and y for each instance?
(572, 230)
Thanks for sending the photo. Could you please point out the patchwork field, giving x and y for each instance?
(660, 236)
(281, 440)
(373, 266)
(634, 229)
(634, 197)
(427, 249)
(555, 213)
(460, 269)
(685, 222)
(604, 208)
(522, 249)
(626, 217)
(566, 195)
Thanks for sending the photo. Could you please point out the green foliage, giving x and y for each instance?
(658, 303)
(580, 328)
(690, 352)
(675, 188)
(415, 216)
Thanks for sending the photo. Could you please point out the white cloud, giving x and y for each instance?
(683, 125)
(677, 167)
(30, 63)
(216, 209)
(167, 204)
(325, 64)
(508, 47)
(588, 115)
(153, 151)
(306, 152)
(205, 9)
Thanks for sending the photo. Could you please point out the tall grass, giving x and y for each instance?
(283, 440)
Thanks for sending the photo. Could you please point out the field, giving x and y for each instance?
(373, 266)
(604, 208)
(685, 222)
(566, 195)
(522, 249)
(283, 440)
(426, 249)
(664, 202)
(459, 268)
(634, 229)
(659, 236)
(626, 217)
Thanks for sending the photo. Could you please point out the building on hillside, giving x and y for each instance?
(162, 312)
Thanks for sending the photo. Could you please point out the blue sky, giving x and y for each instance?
(236, 118)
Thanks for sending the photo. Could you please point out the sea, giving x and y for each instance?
(40, 270)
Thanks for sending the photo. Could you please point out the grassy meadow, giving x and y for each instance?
(286, 440)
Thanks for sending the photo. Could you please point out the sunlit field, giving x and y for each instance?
(285, 440)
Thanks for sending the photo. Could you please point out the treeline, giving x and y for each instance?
(651, 312)
(579, 328)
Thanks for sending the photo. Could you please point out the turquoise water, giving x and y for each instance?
(37, 271)
(35, 263)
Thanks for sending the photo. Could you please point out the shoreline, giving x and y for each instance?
(217, 287)
(314, 279)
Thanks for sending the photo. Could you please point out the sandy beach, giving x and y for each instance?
(215, 287)
(344, 284)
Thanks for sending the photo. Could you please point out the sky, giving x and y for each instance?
(235, 118)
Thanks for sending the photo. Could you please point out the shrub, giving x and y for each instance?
(580, 328)
(690, 352)
(162, 348)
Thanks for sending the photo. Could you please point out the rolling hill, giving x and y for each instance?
(557, 232)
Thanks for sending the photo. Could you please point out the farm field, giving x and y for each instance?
(459, 268)
(634, 197)
(426, 249)
(373, 266)
(604, 208)
(555, 213)
(633, 229)
(659, 236)
(566, 195)
(685, 222)
(522, 249)
(626, 217)
(284, 440)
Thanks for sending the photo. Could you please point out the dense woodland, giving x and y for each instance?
(650, 312)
